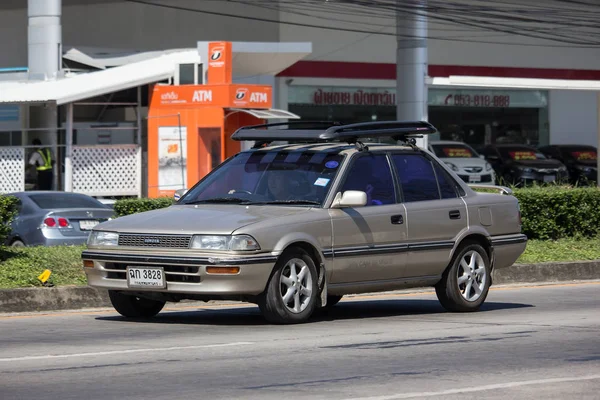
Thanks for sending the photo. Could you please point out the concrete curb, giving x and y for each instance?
(83, 297)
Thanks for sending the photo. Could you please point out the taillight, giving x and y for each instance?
(50, 222)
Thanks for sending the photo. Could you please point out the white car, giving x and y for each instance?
(465, 161)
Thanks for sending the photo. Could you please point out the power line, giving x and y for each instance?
(431, 13)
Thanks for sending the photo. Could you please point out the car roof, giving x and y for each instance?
(449, 142)
(570, 146)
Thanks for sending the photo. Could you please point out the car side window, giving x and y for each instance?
(417, 177)
(371, 174)
(446, 184)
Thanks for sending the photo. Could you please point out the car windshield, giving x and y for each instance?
(50, 201)
(581, 153)
(454, 150)
(269, 177)
(519, 153)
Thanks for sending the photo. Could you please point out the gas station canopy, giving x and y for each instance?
(253, 59)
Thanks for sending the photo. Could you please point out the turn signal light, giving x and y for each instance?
(223, 270)
(88, 264)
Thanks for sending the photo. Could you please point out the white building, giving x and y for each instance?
(484, 86)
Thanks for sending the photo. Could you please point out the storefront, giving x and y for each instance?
(475, 116)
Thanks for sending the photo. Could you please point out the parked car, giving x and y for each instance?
(47, 218)
(580, 160)
(465, 161)
(296, 227)
(521, 165)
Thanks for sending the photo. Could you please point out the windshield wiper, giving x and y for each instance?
(293, 201)
(235, 200)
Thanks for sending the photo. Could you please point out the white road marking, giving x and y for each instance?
(507, 385)
(104, 353)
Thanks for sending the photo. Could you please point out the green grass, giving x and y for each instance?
(538, 251)
(21, 267)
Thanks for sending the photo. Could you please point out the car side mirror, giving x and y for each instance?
(350, 198)
(178, 193)
(482, 156)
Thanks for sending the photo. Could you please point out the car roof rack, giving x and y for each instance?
(327, 131)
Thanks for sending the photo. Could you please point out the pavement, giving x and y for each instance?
(79, 297)
(527, 342)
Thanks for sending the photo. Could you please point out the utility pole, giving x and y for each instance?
(411, 64)
(44, 53)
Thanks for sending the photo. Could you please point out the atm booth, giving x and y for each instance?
(189, 126)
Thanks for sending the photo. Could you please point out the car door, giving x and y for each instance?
(369, 243)
(435, 213)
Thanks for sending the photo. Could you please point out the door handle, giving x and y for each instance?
(454, 214)
(397, 219)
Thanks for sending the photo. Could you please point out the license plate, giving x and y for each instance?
(146, 277)
(87, 225)
(549, 178)
(474, 178)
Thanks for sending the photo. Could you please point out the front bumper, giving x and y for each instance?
(184, 274)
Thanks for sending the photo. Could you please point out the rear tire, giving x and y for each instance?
(17, 243)
(134, 307)
(292, 292)
(466, 282)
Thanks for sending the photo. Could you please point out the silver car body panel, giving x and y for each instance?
(359, 249)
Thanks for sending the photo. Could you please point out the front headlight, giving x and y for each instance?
(562, 169)
(454, 167)
(221, 242)
(488, 166)
(526, 169)
(584, 169)
(100, 238)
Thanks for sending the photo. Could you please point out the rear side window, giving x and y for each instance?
(447, 186)
(421, 179)
(417, 178)
(48, 201)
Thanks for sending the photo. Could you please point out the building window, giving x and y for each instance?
(474, 116)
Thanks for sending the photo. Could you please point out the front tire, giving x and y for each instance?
(292, 291)
(134, 307)
(466, 282)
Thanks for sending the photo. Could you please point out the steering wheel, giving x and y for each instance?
(239, 191)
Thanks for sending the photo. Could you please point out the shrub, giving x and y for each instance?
(555, 212)
(8, 210)
(134, 206)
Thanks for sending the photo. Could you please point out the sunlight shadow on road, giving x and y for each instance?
(345, 310)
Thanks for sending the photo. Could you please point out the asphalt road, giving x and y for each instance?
(527, 343)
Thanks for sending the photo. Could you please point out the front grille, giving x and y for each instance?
(473, 170)
(484, 178)
(161, 241)
(547, 171)
(173, 273)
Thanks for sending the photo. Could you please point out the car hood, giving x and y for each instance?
(586, 163)
(198, 219)
(538, 163)
(465, 162)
